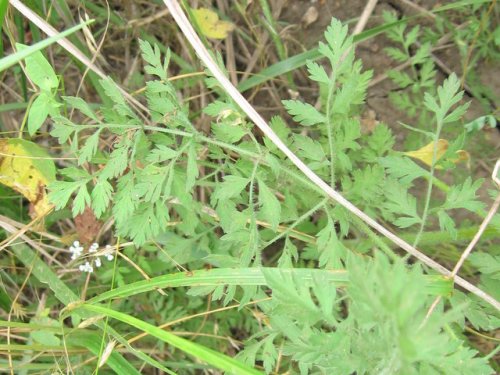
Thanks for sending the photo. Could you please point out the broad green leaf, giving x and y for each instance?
(39, 111)
(39, 70)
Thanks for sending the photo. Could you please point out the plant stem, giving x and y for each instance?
(430, 179)
(329, 127)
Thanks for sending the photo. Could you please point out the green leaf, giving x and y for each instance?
(397, 55)
(448, 93)
(309, 148)
(339, 44)
(464, 196)
(46, 338)
(81, 105)
(481, 122)
(401, 79)
(317, 72)
(147, 221)
(403, 169)
(227, 132)
(101, 196)
(270, 205)
(400, 202)
(124, 203)
(457, 113)
(331, 250)
(82, 200)
(152, 56)
(447, 224)
(161, 153)
(230, 188)
(39, 70)
(39, 111)
(487, 264)
(62, 130)
(117, 163)
(303, 113)
(114, 93)
(61, 191)
(88, 151)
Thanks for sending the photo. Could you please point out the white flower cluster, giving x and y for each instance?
(76, 251)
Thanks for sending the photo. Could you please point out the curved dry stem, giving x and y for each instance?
(206, 58)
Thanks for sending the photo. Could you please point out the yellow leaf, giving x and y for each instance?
(26, 168)
(210, 25)
(425, 153)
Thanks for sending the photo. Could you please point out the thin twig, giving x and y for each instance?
(206, 58)
(363, 19)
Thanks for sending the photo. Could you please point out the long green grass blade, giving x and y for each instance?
(436, 284)
(3, 10)
(200, 352)
(218, 276)
(14, 58)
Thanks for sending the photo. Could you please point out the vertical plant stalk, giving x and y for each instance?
(329, 125)
(204, 55)
(428, 195)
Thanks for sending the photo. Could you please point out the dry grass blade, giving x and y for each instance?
(70, 47)
(204, 55)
